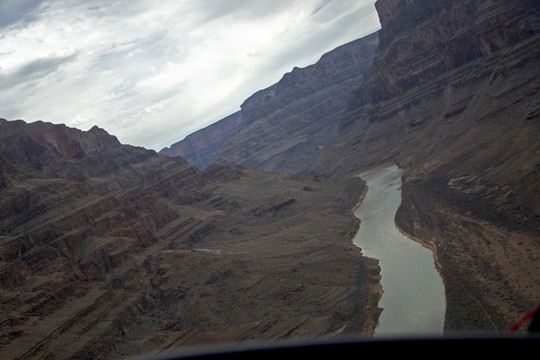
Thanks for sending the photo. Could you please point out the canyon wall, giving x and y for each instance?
(452, 96)
(201, 147)
(288, 122)
(110, 251)
(117, 250)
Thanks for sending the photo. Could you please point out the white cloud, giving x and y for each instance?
(151, 72)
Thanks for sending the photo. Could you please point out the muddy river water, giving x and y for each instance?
(413, 301)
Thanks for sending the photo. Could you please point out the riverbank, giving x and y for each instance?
(242, 256)
(490, 272)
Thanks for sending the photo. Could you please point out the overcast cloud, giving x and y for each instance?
(150, 71)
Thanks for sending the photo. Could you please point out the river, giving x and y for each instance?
(413, 301)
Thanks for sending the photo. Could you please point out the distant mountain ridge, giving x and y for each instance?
(201, 147)
(280, 126)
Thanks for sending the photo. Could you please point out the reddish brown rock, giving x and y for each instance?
(118, 251)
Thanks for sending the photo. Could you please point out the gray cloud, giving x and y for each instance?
(152, 72)
(13, 11)
(32, 71)
(214, 9)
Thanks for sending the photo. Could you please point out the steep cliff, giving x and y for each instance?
(116, 250)
(452, 96)
(287, 122)
(201, 147)
(109, 250)
(291, 120)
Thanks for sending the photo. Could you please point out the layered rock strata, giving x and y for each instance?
(109, 250)
(288, 122)
(452, 96)
(201, 147)
(292, 120)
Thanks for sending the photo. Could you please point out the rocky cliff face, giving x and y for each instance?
(293, 119)
(118, 251)
(39, 145)
(287, 122)
(201, 147)
(452, 96)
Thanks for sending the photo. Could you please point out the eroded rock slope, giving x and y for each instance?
(118, 251)
(288, 122)
(452, 95)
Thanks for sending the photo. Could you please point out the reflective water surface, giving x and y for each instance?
(413, 301)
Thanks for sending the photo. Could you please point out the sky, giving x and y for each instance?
(151, 72)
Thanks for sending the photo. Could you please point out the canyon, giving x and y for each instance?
(119, 251)
(451, 96)
(282, 126)
(242, 231)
